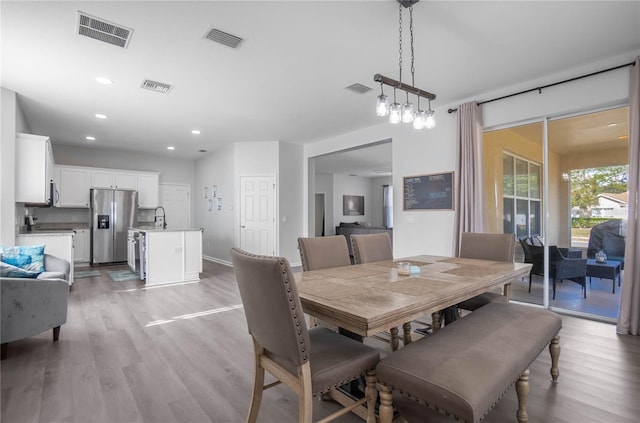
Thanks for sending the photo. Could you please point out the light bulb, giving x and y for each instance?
(382, 106)
(430, 120)
(407, 112)
(418, 119)
(395, 113)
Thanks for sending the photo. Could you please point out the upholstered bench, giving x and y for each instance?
(465, 368)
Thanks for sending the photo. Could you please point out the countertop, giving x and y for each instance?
(165, 230)
(47, 232)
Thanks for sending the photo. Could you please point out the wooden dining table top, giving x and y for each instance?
(372, 297)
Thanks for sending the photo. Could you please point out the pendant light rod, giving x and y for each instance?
(405, 87)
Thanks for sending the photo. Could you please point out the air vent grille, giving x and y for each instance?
(359, 88)
(102, 30)
(159, 87)
(222, 37)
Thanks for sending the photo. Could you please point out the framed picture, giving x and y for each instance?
(428, 192)
(214, 191)
(353, 205)
(206, 192)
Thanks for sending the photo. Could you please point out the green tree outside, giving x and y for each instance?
(586, 184)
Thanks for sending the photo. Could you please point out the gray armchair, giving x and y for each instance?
(31, 306)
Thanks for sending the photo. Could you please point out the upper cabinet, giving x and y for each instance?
(34, 169)
(75, 183)
(73, 186)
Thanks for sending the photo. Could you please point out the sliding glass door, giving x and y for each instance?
(552, 183)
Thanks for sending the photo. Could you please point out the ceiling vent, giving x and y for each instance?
(158, 87)
(102, 30)
(222, 37)
(359, 88)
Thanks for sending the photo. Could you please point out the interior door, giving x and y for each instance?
(258, 214)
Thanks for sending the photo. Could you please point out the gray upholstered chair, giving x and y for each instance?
(31, 306)
(310, 362)
(323, 252)
(498, 247)
(371, 247)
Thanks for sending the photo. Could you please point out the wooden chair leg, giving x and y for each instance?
(406, 329)
(258, 385)
(56, 333)
(305, 414)
(372, 394)
(522, 390)
(395, 339)
(3, 351)
(386, 408)
(554, 350)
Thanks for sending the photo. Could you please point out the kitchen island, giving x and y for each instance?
(168, 255)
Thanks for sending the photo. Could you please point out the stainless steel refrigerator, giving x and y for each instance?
(113, 212)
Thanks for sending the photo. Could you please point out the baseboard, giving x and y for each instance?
(217, 260)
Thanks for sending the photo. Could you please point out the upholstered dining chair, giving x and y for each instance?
(321, 253)
(371, 247)
(498, 247)
(310, 362)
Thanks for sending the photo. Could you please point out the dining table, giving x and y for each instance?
(370, 298)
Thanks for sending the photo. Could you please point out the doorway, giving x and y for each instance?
(319, 215)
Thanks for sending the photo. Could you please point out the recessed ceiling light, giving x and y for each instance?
(104, 81)
(171, 147)
(202, 151)
(100, 116)
(195, 131)
(90, 138)
(611, 125)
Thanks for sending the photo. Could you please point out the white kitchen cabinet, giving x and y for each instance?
(73, 187)
(57, 244)
(81, 246)
(148, 190)
(125, 180)
(170, 256)
(101, 178)
(34, 169)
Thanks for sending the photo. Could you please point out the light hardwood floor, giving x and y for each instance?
(183, 354)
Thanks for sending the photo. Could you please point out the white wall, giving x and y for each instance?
(290, 203)
(432, 151)
(7, 167)
(377, 199)
(216, 168)
(324, 185)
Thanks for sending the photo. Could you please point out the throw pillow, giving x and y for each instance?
(26, 257)
(9, 271)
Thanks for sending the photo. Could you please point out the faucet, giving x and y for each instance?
(164, 220)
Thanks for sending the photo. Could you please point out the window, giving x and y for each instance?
(522, 208)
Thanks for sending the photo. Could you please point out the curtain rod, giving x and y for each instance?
(539, 89)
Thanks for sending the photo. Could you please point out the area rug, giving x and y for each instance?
(86, 273)
(123, 275)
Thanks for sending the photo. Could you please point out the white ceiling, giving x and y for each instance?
(286, 81)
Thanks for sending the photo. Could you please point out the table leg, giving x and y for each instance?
(406, 328)
(506, 291)
(395, 339)
(436, 321)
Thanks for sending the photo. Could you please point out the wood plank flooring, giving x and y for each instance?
(181, 354)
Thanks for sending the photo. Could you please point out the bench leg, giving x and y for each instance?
(554, 350)
(522, 389)
(385, 411)
(436, 321)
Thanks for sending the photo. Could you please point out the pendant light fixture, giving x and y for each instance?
(405, 113)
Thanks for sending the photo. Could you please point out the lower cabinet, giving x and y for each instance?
(171, 256)
(81, 243)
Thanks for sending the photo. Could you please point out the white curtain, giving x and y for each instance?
(469, 216)
(629, 318)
